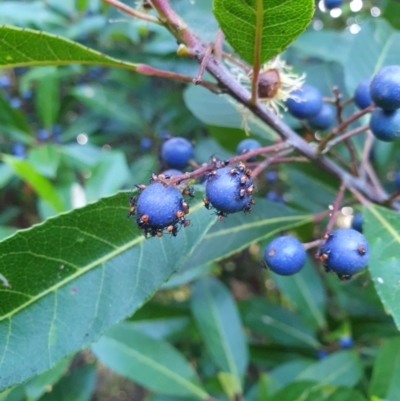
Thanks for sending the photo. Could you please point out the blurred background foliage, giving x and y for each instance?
(71, 135)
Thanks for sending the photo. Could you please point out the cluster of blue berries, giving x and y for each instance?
(344, 251)
(384, 91)
(307, 104)
(160, 207)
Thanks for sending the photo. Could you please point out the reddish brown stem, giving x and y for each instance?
(148, 70)
(131, 11)
(335, 208)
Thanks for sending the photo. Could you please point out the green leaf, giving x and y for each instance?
(186, 276)
(219, 322)
(288, 372)
(386, 372)
(40, 384)
(20, 47)
(343, 368)
(47, 99)
(239, 230)
(278, 24)
(79, 385)
(152, 363)
(93, 256)
(364, 61)
(392, 13)
(39, 183)
(306, 294)
(381, 228)
(218, 111)
(45, 159)
(277, 323)
(108, 176)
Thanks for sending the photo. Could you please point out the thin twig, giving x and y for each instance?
(148, 70)
(346, 135)
(335, 208)
(203, 64)
(131, 11)
(269, 160)
(369, 140)
(312, 244)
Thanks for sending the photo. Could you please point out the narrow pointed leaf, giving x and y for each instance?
(343, 368)
(306, 293)
(39, 183)
(385, 375)
(72, 277)
(279, 324)
(219, 322)
(239, 230)
(153, 363)
(279, 22)
(29, 47)
(382, 228)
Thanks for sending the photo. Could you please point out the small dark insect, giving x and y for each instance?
(206, 203)
(189, 191)
(242, 193)
(212, 173)
(185, 207)
(243, 180)
(361, 250)
(132, 207)
(250, 190)
(143, 220)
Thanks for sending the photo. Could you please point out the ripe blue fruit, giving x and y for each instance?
(5, 81)
(146, 144)
(357, 222)
(176, 152)
(18, 150)
(324, 119)
(362, 95)
(246, 145)
(159, 207)
(345, 252)
(330, 4)
(273, 196)
(385, 125)
(346, 342)
(385, 87)
(271, 176)
(306, 104)
(229, 190)
(285, 255)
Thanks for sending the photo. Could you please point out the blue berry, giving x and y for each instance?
(160, 207)
(15, 103)
(18, 150)
(229, 190)
(42, 135)
(362, 95)
(271, 176)
(322, 354)
(346, 342)
(273, 196)
(357, 222)
(285, 255)
(385, 125)
(345, 252)
(324, 119)
(5, 81)
(176, 152)
(146, 144)
(385, 88)
(247, 145)
(330, 4)
(307, 102)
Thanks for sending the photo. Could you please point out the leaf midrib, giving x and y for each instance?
(162, 369)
